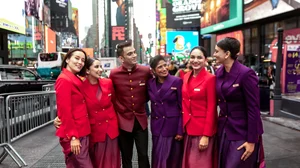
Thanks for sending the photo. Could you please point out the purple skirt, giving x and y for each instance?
(106, 154)
(77, 161)
(230, 157)
(166, 152)
(193, 157)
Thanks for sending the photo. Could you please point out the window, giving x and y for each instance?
(14, 74)
(48, 56)
(28, 75)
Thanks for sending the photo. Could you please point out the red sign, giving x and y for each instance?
(236, 34)
(118, 33)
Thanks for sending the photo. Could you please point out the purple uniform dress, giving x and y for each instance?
(239, 119)
(166, 122)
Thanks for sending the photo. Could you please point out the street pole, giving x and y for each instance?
(277, 90)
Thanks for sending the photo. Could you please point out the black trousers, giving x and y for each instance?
(126, 140)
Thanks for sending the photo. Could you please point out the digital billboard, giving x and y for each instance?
(12, 16)
(181, 42)
(117, 8)
(118, 36)
(220, 14)
(259, 9)
(75, 19)
(183, 13)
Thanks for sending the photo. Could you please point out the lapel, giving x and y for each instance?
(232, 75)
(199, 79)
(166, 86)
(76, 80)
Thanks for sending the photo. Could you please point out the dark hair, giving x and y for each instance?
(90, 62)
(202, 49)
(120, 47)
(230, 44)
(155, 60)
(69, 55)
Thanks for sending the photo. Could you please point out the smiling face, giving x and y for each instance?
(197, 59)
(129, 56)
(161, 70)
(95, 70)
(76, 62)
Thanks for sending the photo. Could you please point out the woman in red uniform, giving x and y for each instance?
(199, 113)
(98, 93)
(72, 110)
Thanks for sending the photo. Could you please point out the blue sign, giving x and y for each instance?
(181, 42)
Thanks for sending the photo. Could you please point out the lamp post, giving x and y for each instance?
(277, 90)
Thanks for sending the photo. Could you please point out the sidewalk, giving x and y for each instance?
(41, 149)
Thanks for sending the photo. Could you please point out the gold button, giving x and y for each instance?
(129, 73)
(162, 102)
(96, 112)
(226, 116)
(132, 96)
(190, 114)
(106, 120)
(134, 111)
(156, 117)
(225, 101)
(155, 104)
(133, 104)
(99, 123)
(164, 117)
(130, 80)
(103, 109)
(182, 112)
(131, 88)
(189, 99)
(219, 100)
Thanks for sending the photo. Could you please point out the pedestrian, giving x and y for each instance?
(98, 92)
(199, 113)
(187, 68)
(72, 111)
(166, 119)
(129, 82)
(239, 123)
(172, 68)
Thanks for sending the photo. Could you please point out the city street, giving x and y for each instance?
(41, 149)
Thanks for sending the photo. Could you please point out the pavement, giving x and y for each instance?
(41, 149)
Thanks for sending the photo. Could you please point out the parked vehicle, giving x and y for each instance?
(49, 64)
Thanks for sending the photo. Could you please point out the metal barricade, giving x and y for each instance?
(3, 133)
(28, 112)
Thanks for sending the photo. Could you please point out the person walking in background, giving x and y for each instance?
(187, 68)
(199, 108)
(172, 68)
(239, 124)
(166, 122)
(72, 111)
(99, 91)
(130, 80)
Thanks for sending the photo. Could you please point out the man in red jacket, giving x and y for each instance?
(129, 82)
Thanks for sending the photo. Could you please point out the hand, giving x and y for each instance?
(75, 146)
(178, 137)
(249, 148)
(203, 144)
(56, 122)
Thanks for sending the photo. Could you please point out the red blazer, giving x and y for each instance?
(199, 104)
(71, 106)
(102, 116)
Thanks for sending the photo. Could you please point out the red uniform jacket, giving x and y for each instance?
(131, 95)
(103, 118)
(71, 106)
(199, 104)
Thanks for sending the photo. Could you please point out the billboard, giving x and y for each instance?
(259, 9)
(34, 8)
(220, 14)
(47, 16)
(236, 34)
(75, 19)
(50, 40)
(59, 7)
(117, 8)
(183, 13)
(12, 16)
(181, 42)
(118, 36)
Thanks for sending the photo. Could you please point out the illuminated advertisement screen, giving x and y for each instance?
(220, 14)
(259, 9)
(181, 42)
(12, 16)
(117, 9)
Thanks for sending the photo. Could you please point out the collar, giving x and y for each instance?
(133, 68)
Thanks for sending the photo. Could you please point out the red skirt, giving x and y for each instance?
(106, 154)
(193, 157)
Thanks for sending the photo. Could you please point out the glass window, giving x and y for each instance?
(13, 74)
(48, 56)
(28, 75)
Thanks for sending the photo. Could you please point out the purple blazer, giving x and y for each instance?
(238, 98)
(166, 117)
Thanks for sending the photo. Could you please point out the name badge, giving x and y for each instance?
(236, 85)
(173, 88)
(109, 94)
(142, 84)
(197, 90)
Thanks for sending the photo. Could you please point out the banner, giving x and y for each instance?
(34, 8)
(117, 10)
(47, 16)
(118, 36)
(220, 15)
(12, 16)
(181, 42)
(183, 13)
(259, 9)
(50, 40)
